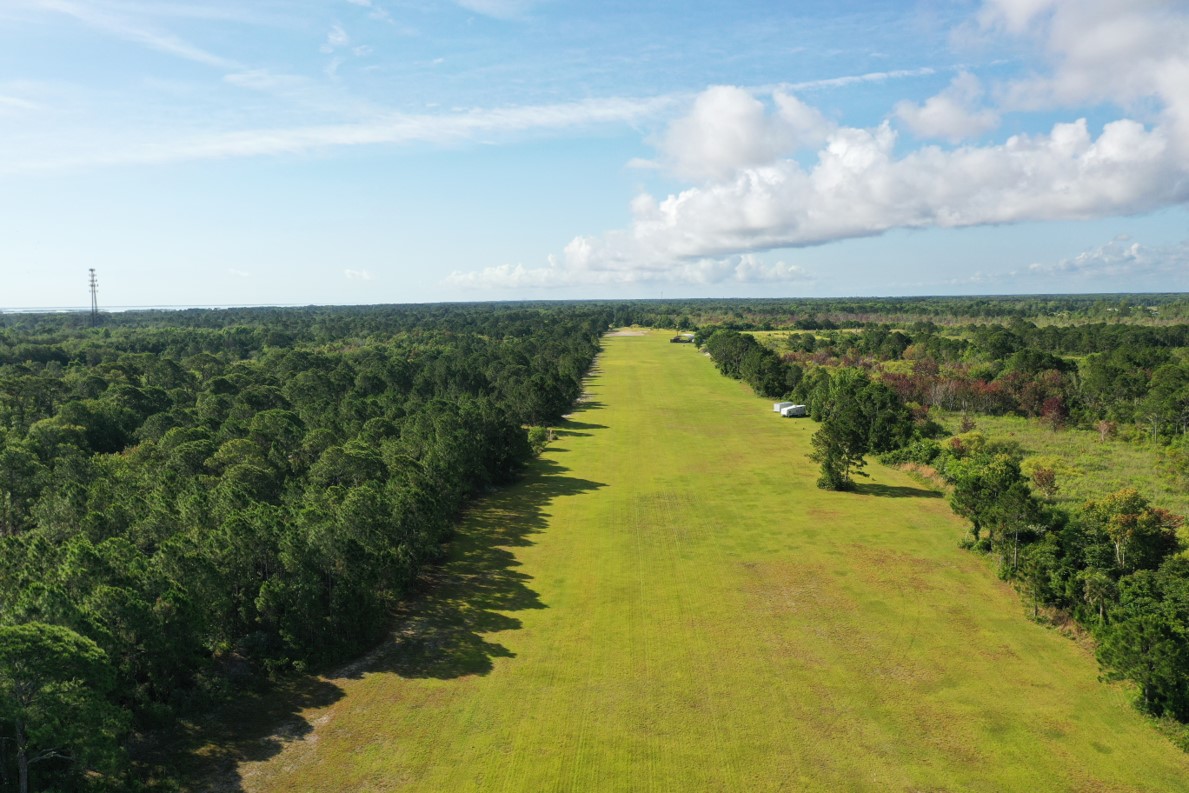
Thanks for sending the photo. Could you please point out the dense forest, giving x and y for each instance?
(190, 500)
(831, 313)
(1115, 564)
(1127, 376)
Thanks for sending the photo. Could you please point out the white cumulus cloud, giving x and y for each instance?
(579, 267)
(952, 114)
(357, 275)
(1122, 257)
(728, 128)
(859, 187)
(1014, 15)
(1131, 54)
(749, 194)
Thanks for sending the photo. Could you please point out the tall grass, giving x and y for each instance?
(1086, 466)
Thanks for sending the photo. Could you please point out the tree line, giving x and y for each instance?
(1114, 565)
(1113, 363)
(803, 313)
(858, 415)
(189, 501)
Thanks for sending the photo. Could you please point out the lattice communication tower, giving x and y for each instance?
(94, 298)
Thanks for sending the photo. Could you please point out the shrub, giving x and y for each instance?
(923, 452)
(539, 438)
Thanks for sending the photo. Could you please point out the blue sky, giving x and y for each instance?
(210, 152)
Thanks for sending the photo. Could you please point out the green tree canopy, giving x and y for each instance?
(53, 686)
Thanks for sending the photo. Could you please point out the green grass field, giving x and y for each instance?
(1086, 466)
(668, 603)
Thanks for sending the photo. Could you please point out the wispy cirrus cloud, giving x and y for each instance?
(350, 120)
(374, 11)
(391, 128)
(125, 28)
(199, 10)
(499, 9)
(17, 104)
(303, 92)
(336, 38)
(843, 81)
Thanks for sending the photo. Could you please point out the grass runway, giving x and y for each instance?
(666, 602)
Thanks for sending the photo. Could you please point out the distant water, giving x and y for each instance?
(121, 309)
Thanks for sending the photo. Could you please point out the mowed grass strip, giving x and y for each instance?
(668, 603)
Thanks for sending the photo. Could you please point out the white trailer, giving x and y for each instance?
(777, 407)
(794, 411)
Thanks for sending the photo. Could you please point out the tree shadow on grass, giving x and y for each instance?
(585, 405)
(576, 429)
(572, 430)
(204, 754)
(442, 628)
(441, 632)
(894, 491)
(580, 407)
